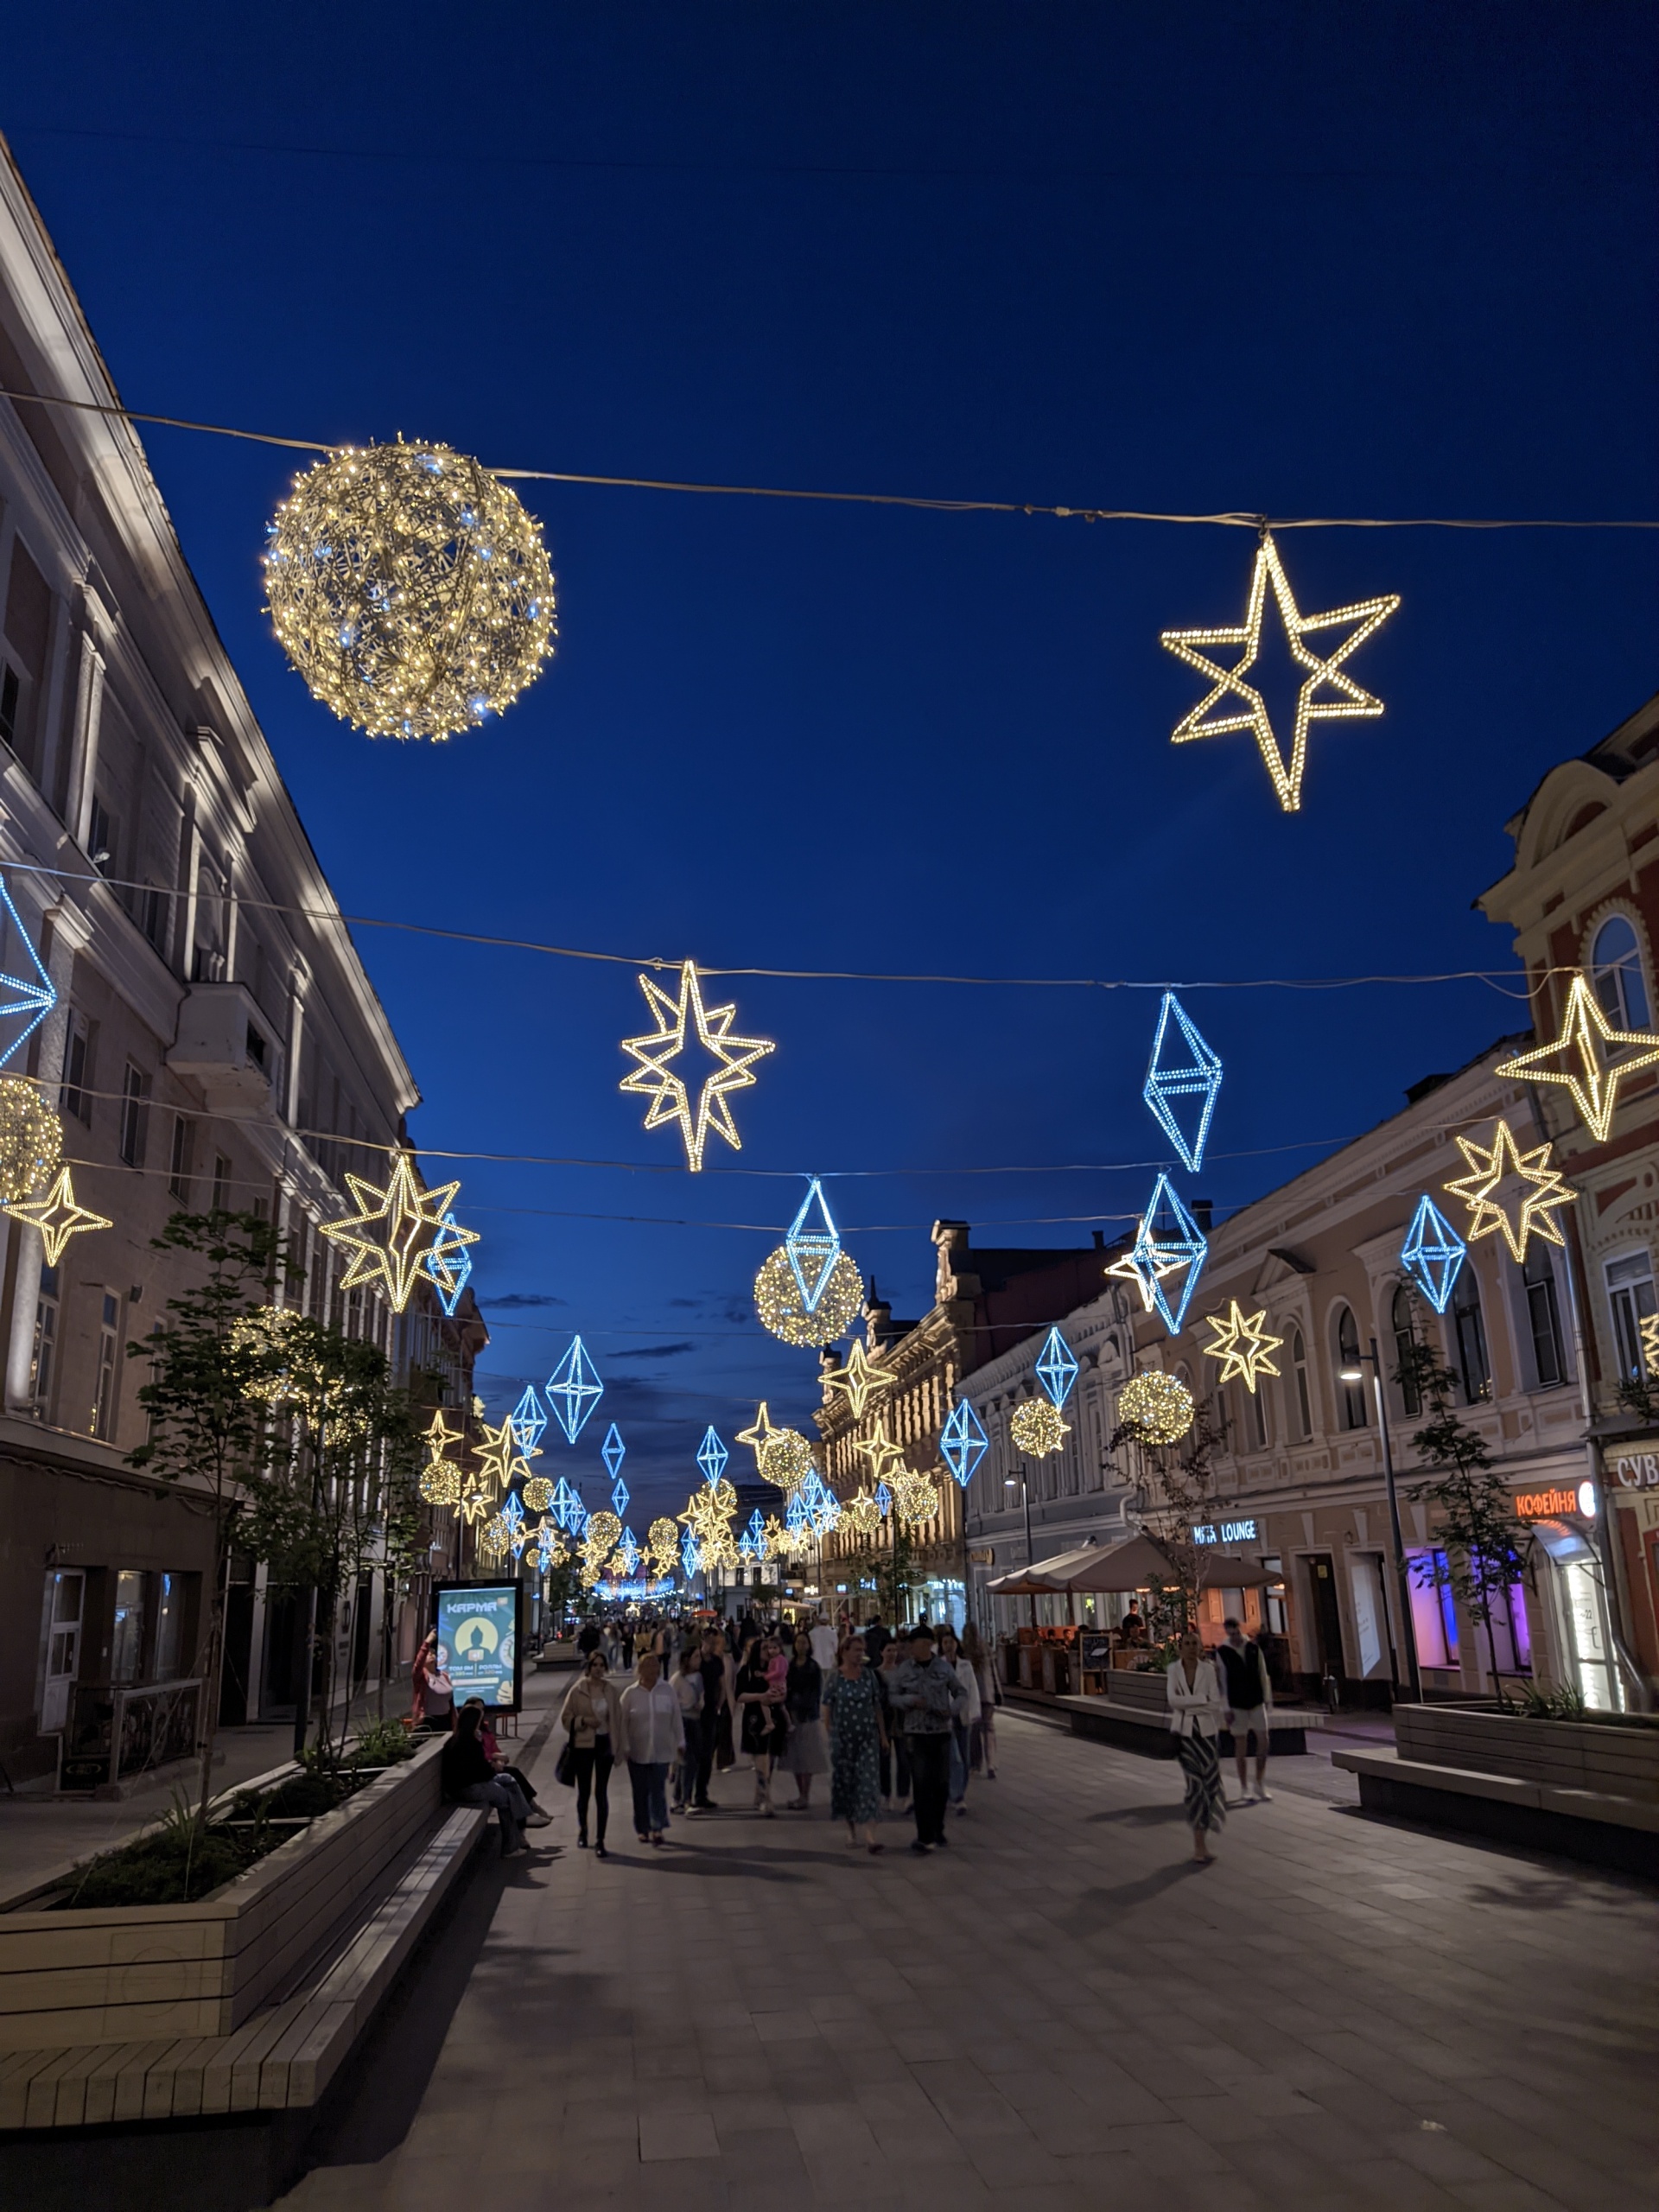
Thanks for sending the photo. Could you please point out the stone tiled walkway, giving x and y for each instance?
(1054, 2012)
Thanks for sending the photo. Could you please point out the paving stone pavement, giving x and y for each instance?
(1055, 2011)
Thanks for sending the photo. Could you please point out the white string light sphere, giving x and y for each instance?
(441, 1483)
(1037, 1428)
(411, 588)
(1160, 1405)
(782, 1309)
(31, 1139)
(786, 1459)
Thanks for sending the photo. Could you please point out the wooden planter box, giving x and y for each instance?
(1615, 1762)
(131, 1974)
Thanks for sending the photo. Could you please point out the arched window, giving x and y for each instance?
(1353, 1394)
(1405, 1342)
(1474, 1366)
(1296, 1397)
(1256, 1417)
(1616, 974)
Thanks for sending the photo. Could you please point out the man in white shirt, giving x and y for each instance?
(825, 1643)
(652, 1733)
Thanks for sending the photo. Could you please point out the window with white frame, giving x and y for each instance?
(1616, 974)
(1630, 1294)
(1296, 1391)
(1543, 1316)
(1353, 1394)
(109, 1335)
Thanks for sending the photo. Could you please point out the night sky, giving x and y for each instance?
(1315, 260)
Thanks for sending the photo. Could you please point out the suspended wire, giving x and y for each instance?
(1231, 520)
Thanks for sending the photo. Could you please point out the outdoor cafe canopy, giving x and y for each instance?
(1136, 1565)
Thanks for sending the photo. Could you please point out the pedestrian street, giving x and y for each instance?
(1059, 2010)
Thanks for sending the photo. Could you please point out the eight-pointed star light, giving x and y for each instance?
(1242, 1345)
(1490, 1169)
(409, 1221)
(670, 1098)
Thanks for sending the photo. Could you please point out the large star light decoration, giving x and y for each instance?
(759, 1433)
(882, 1452)
(500, 1461)
(1323, 670)
(1531, 1189)
(395, 1227)
(1242, 1344)
(57, 1216)
(1582, 1051)
(860, 1378)
(679, 1023)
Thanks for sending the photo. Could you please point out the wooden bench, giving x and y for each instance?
(280, 2059)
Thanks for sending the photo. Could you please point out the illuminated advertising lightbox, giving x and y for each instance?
(478, 1640)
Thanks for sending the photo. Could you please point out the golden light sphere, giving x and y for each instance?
(441, 1483)
(31, 1139)
(786, 1459)
(600, 1537)
(1160, 1405)
(411, 588)
(865, 1513)
(1037, 1428)
(778, 1301)
(538, 1493)
(494, 1539)
(915, 1497)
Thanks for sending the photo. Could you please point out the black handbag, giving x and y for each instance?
(564, 1767)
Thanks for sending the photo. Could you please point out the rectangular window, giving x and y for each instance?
(221, 1183)
(127, 1644)
(43, 1359)
(169, 1628)
(135, 1089)
(103, 1421)
(1543, 1313)
(101, 829)
(1434, 1612)
(184, 1145)
(78, 1074)
(155, 914)
(1630, 1294)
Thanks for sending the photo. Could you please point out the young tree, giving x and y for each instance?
(208, 1425)
(1178, 1486)
(893, 1573)
(1485, 1545)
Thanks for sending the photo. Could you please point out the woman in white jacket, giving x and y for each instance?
(653, 1735)
(1196, 1709)
(962, 1725)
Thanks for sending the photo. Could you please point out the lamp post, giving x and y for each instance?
(1402, 1573)
(1025, 1499)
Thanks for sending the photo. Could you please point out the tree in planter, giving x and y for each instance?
(1485, 1545)
(208, 1425)
(1179, 1485)
(894, 1574)
(348, 1500)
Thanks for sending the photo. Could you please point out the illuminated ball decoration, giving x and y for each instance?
(915, 1497)
(495, 1538)
(538, 1493)
(1037, 1428)
(865, 1513)
(783, 1310)
(411, 589)
(786, 1459)
(441, 1483)
(31, 1139)
(1160, 1405)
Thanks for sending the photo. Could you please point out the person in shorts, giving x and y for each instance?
(1249, 1703)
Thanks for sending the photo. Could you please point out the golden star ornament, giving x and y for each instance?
(1521, 1214)
(680, 1022)
(1323, 670)
(408, 1221)
(57, 1216)
(1242, 1345)
(499, 1459)
(882, 1453)
(759, 1432)
(860, 1378)
(1582, 1049)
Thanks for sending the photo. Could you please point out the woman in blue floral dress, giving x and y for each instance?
(851, 1706)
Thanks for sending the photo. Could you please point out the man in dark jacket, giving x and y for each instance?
(876, 1639)
(928, 1698)
(1250, 1696)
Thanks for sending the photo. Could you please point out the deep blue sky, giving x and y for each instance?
(1388, 260)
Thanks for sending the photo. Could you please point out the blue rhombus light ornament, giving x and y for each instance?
(690, 1555)
(567, 1508)
(528, 1419)
(1433, 1253)
(883, 1499)
(1190, 1074)
(712, 1456)
(1169, 1243)
(1057, 1370)
(812, 1251)
(620, 1495)
(962, 1442)
(574, 1390)
(613, 1451)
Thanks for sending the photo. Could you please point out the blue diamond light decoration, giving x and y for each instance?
(620, 1495)
(613, 1451)
(1433, 1253)
(756, 1530)
(1191, 1074)
(518, 1529)
(1168, 1244)
(796, 1519)
(813, 1250)
(574, 1390)
(690, 1555)
(962, 1442)
(1057, 1370)
(884, 1499)
(449, 1263)
(567, 1508)
(627, 1552)
(528, 1419)
(712, 1456)
(34, 996)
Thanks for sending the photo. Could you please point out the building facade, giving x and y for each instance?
(1582, 899)
(214, 1041)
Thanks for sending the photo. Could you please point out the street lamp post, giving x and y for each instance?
(1401, 1573)
(1025, 1499)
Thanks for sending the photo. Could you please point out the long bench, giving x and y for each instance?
(1135, 1718)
